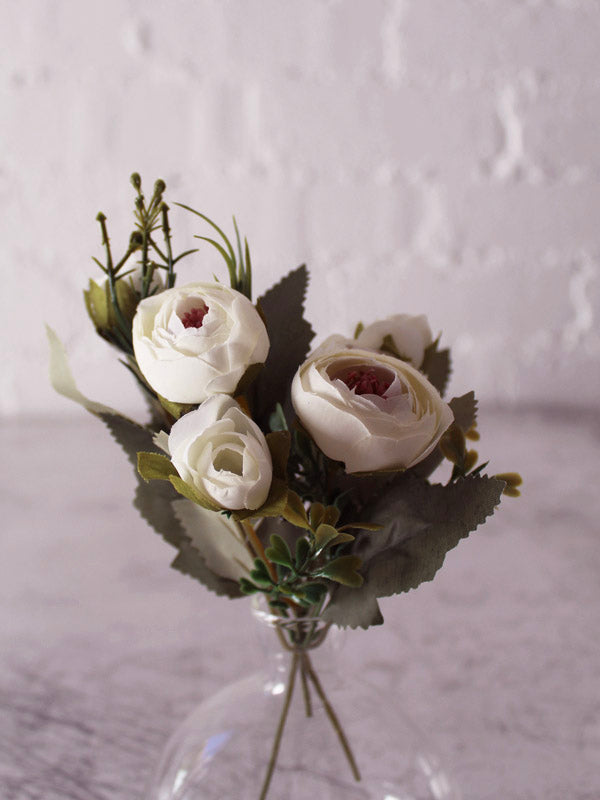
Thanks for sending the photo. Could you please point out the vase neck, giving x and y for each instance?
(281, 638)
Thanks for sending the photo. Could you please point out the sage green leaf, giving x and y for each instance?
(464, 409)
(155, 502)
(191, 493)
(273, 506)
(220, 540)
(176, 410)
(279, 552)
(421, 524)
(155, 466)
(437, 366)
(290, 336)
(62, 379)
(343, 570)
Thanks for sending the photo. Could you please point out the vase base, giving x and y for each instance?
(221, 752)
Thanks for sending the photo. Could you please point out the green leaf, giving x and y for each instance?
(295, 512)
(278, 443)
(277, 420)
(325, 534)
(290, 336)
(314, 591)
(302, 551)
(155, 466)
(188, 491)
(279, 552)
(248, 378)
(260, 573)
(176, 410)
(273, 506)
(343, 570)
(421, 524)
(464, 409)
(436, 366)
(388, 345)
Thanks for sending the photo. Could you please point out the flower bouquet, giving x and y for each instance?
(299, 476)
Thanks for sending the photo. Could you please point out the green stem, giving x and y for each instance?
(305, 686)
(332, 717)
(280, 727)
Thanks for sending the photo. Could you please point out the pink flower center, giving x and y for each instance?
(366, 382)
(194, 317)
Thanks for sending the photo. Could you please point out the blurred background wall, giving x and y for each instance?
(426, 156)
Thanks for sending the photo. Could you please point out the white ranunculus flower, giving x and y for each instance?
(197, 340)
(223, 454)
(370, 410)
(410, 334)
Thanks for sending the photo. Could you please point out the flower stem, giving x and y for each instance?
(280, 727)
(332, 716)
(305, 687)
(258, 548)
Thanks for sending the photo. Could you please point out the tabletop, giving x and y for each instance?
(104, 649)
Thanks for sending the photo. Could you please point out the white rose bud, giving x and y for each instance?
(223, 454)
(410, 335)
(197, 340)
(370, 410)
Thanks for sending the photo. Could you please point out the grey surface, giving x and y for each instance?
(103, 648)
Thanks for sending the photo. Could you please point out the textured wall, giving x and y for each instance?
(436, 156)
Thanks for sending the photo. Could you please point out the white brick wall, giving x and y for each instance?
(437, 156)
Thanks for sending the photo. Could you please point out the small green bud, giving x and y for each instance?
(159, 187)
(136, 181)
(100, 217)
(136, 240)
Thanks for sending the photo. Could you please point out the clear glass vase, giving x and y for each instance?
(301, 728)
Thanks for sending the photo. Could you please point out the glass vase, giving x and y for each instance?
(302, 728)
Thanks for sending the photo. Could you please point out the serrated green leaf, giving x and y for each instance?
(279, 552)
(343, 570)
(290, 336)
(464, 409)
(437, 366)
(421, 524)
(155, 466)
(155, 502)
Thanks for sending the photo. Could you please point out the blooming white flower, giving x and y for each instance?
(223, 454)
(197, 340)
(370, 410)
(410, 335)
